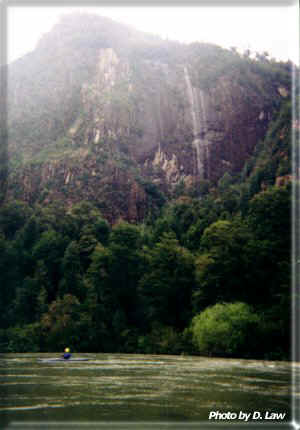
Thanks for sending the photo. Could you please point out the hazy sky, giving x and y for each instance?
(272, 29)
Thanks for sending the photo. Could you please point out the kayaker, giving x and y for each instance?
(67, 354)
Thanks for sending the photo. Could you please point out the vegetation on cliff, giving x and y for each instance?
(111, 240)
(176, 283)
(112, 115)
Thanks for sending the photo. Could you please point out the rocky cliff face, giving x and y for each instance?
(122, 120)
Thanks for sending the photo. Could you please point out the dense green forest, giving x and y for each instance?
(209, 274)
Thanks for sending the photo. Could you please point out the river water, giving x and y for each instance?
(113, 388)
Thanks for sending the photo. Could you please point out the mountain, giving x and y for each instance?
(123, 119)
(189, 143)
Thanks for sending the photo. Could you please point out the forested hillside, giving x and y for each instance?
(68, 277)
(148, 203)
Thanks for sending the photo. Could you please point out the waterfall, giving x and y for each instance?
(198, 115)
(191, 98)
(203, 111)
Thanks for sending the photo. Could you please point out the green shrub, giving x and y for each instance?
(229, 329)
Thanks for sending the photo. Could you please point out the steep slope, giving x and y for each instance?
(104, 113)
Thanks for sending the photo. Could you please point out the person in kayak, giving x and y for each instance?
(67, 354)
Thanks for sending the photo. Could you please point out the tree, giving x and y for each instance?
(125, 234)
(55, 217)
(125, 268)
(13, 216)
(269, 249)
(228, 330)
(84, 214)
(60, 323)
(24, 243)
(166, 287)
(9, 281)
(269, 216)
(111, 301)
(24, 339)
(50, 249)
(98, 281)
(28, 235)
(26, 302)
(222, 267)
(72, 282)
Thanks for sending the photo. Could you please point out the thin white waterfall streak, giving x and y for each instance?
(198, 115)
(203, 110)
(191, 99)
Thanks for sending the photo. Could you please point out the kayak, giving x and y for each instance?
(51, 360)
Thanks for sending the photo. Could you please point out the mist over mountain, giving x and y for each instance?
(100, 108)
